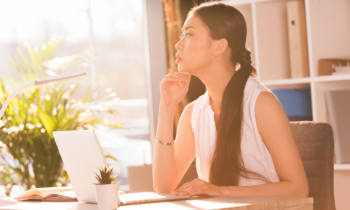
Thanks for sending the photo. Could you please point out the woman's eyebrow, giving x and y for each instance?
(187, 28)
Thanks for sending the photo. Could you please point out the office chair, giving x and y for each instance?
(316, 147)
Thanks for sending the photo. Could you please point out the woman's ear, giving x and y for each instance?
(220, 46)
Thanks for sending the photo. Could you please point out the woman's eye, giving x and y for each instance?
(184, 35)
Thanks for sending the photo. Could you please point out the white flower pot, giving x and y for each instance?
(107, 196)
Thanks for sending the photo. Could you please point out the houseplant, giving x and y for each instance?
(28, 153)
(106, 191)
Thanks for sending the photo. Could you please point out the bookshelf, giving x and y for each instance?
(328, 32)
(340, 167)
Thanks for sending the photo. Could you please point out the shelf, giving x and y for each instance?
(286, 81)
(341, 167)
(295, 81)
(241, 2)
(331, 78)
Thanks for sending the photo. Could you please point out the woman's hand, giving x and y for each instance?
(198, 187)
(171, 90)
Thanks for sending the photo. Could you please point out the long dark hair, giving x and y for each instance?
(226, 22)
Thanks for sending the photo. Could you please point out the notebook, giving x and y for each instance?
(295, 102)
(57, 194)
(298, 52)
(338, 104)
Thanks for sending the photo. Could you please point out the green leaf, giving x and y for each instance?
(26, 61)
(110, 157)
(25, 69)
(47, 122)
(37, 55)
(32, 56)
(19, 71)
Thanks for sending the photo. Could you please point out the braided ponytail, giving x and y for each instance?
(244, 58)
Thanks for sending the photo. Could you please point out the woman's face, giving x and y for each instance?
(194, 46)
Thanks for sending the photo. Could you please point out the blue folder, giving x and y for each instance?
(296, 103)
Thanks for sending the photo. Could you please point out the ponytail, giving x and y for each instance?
(227, 164)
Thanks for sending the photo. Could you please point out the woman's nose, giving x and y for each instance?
(178, 45)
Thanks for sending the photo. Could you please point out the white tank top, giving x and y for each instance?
(255, 154)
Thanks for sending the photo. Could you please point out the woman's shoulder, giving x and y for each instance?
(192, 109)
(252, 90)
(199, 103)
(188, 110)
(254, 84)
(189, 107)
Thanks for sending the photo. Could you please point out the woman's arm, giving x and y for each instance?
(274, 127)
(171, 162)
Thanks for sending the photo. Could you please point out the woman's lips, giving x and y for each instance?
(178, 59)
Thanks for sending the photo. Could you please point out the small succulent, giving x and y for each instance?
(105, 176)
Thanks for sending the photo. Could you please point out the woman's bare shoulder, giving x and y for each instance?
(271, 119)
(184, 129)
(187, 112)
(186, 115)
(267, 104)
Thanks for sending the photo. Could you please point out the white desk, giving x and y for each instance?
(233, 203)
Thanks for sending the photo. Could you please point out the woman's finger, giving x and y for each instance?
(182, 187)
(172, 78)
(195, 186)
(197, 192)
(194, 183)
(185, 75)
(201, 189)
(187, 84)
(187, 185)
(190, 182)
(179, 76)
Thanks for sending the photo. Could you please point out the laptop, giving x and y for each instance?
(82, 155)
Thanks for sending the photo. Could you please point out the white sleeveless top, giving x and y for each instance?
(255, 154)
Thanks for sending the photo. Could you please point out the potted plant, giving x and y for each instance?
(28, 153)
(106, 191)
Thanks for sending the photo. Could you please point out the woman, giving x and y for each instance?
(237, 131)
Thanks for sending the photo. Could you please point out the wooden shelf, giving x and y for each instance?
(241, 2)
(330, 78)
(286, 81)
(306, 80)
(340, 167)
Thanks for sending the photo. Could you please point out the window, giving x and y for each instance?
(111, 30)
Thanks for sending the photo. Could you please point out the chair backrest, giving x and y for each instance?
(316, 147)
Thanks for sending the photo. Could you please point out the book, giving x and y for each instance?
(341, 70)
(56, 194)
(327, 66)
(296, 103)
(299, 59)
(338, 103)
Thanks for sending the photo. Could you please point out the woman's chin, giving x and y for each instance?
(180, 68)
(183, 68)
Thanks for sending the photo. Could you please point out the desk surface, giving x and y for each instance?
(234, 203)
